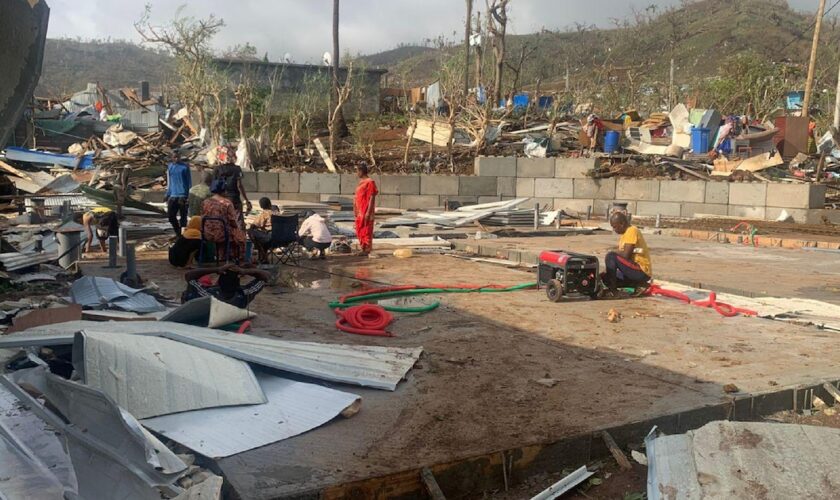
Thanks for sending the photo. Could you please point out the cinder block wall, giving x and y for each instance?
(557, 183)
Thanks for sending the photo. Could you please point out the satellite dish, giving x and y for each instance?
(287, 57)
(327, 59)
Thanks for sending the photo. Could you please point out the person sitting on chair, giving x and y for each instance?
(187, 244)
(227, 288)
(314, 235)
(260, 230)
(630, 266)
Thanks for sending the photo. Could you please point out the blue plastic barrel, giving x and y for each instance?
(700, 140)
(611, 140)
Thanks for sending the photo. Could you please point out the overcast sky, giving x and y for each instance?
(302, 28)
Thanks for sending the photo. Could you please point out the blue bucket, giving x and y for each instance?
(700, 140)
(611, 140)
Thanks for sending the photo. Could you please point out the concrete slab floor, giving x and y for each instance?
(474, 391)
(725, 267)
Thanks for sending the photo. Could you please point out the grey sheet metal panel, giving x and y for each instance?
(98, 292)
(23, 35)
(369, 366)
(112, 454)
(745, 460)
(293, 408)
(23, 477)
(150, 376)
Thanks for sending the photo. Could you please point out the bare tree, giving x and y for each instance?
(497, 19)
(189, 40)
(336, 117)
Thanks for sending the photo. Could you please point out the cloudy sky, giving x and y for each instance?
(302, 28)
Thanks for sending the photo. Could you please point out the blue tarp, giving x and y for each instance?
(33, 156)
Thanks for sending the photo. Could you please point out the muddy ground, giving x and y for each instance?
(476, 390)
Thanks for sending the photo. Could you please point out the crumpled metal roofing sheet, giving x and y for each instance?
(744, 460)
(293, 408)
(369, 366)
(150, 376)
(98, 292)
(23, 477)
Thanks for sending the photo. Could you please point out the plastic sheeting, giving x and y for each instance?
(293, 408)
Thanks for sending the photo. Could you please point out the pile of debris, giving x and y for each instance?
(75, 413)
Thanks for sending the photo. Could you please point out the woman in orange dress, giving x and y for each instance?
(222, 208)
(364, 206)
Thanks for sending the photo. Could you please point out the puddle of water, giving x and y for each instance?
(341, 279)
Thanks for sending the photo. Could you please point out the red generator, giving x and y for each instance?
(568, 274)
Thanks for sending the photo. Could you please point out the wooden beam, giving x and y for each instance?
(431, 484)
(324, 156)
(619, 455)
(832, 390)
(12, 170)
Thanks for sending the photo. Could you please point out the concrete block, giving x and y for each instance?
(350, 181)
(601, 206)
(746, 212)
(693, 209)
(664, 208)
(535, 167)
(682, 191)
(574, 205)
(267, 181)
(488, 199)
(799, 215)
(307, 197)
(601, 189)
(408, 201)
(524, 187)
(506, 186)
(637, 189)
(495, 166)
(288, 182)
(388, 200)
(573, 168)
(803, 196)
(748, 194)
(399, 184)
(320, 183)
(717, 192)
(554, 188)
(249, 181)
(439, 184)
(476, 186)
(820, 216)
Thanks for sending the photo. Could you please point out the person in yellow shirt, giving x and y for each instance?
(630, 266)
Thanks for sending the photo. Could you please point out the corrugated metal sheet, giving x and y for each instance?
(99, 292)
(744, 460)
(24, 477)
(207, 311)
(293, 408)
(370, 366)
(151, 376)
(14, 260)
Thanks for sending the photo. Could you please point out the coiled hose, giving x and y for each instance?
(373, 319)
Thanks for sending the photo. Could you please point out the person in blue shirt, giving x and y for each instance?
(178, 183)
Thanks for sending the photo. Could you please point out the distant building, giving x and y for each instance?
(292, 80)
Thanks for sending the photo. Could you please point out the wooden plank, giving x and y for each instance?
(689, 171)
(832, 390)
(324, 156)
(431, 484)
(12, 170)
(619, 455)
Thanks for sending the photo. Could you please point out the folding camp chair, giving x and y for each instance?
(283, 246)
(204, 242)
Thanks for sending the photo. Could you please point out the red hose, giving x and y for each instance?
(364, 319)
(722, 308)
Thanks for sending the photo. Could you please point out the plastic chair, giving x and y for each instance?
(204, 242)
(283, 246)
